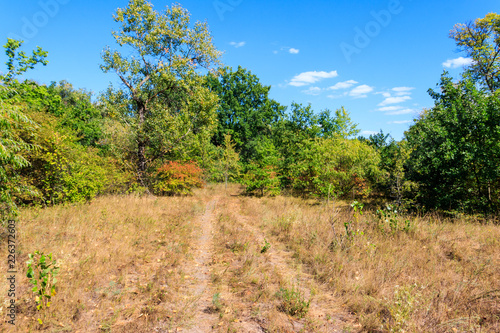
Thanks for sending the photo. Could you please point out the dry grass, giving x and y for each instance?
(120, 263)
(439, 276)
(262, 288)
(124, 262)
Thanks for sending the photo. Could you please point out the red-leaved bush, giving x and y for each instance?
(176, 178)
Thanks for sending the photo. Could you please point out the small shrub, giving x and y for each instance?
(390, 216)
(216, 302)
(262, 180)
(293, 302)
(42, 271)
(266, 246)
(175, 178)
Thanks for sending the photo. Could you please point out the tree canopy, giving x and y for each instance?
(481, 41)
(159, 69)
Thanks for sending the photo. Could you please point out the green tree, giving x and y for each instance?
(455, 149)
(341, 124)
(13, 147)
(261, 173)
(298, 128)
(393, 158)
(245, 111)
(230, 160)
(481, 41)
(159, 69)
(18, 62)
(12, 150)
(335, 165)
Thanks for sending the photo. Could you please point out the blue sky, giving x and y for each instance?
(375, 58)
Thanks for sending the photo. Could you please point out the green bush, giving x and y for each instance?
(335, 166)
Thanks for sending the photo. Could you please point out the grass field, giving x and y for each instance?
(223, 262)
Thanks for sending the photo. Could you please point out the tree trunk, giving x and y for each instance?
(141, 146)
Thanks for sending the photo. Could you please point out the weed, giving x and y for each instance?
(42, 271)
(293, 302)
(390, 216)
(403, 305)
(216, 302)
(266, 246)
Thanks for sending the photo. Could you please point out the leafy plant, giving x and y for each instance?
(390, 216)
(262, 172)
(404, 303)
(177, 178)
(216, 302)
(293, 302)
(266, 246)
(42, 271)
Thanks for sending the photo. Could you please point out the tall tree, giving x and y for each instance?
(160, 71)
(481, 41)
(12, 145)
(245, 110)
(455, 149)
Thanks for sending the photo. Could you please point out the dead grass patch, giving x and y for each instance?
(120, 262)
(438, 276)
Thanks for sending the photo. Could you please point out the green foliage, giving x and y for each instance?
(18, 62)
(245, 110)
(42, 272)
(454, 149)
(12, 150)
(393, 182)
(390, 217)
(163, 99)
(266, 246)
(174, 178)
(13, 147)
(262, 173)
(481, 41)
(341, 124)
(73, 108)
(231, 159)
(335, 165)
(78, 114)
(295, 131)
(62, 170)
(216, 302)
(293, 302)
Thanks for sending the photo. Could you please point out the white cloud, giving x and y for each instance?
(293, 51)
(306, 78)
(390, 108)
(394, 100)
(237, 44)
(368, 133)
(458, 62)
(400, 122)
(360, 91)
(343, 85)
(312, 91)
(337, 96)
(400, 112)
(402, 91)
